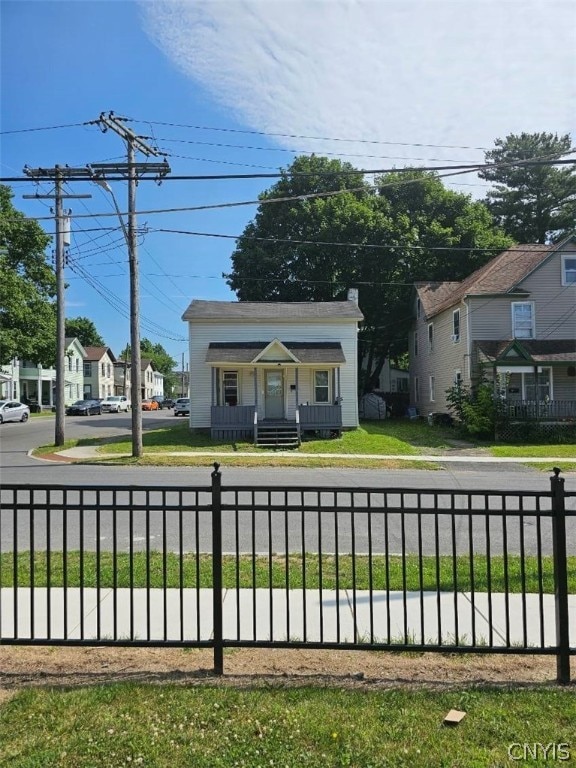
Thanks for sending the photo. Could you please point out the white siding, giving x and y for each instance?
(203, 332)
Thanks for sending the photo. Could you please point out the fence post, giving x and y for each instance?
(217, 569)
(560, 578)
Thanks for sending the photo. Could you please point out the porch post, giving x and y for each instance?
(338, 379)
(536, 398)
(213, 376)
(39, 385)
(255, 388)
(296, 390)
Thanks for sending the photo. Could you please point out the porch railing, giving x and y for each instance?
(530, 410)
(231, 421)
(320, 417)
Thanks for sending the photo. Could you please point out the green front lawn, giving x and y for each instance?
(171, 726)
(395, 573)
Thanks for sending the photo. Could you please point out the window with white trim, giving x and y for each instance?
(88, 369)
(321, 387)
(457, 378)
(418, 308)
(230, 389)
(456, 325)
(430, 337)
(569, 269)
(415, 343)
(523, 319)
(432, 389)
(540, 388)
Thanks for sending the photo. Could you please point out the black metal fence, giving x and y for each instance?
(355, 568)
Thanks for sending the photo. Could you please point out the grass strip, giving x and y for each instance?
(219, 727)
(522, 575)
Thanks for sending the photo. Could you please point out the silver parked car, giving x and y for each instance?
(115, 404)
(182, 406)
(12, 410)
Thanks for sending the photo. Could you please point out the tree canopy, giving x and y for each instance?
(27, 288)
(378, 238)
(532, 203)
(85, 331)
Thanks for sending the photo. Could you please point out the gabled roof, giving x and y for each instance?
(69, 340)
(272, 310)
(499, 276)
(535, 350)
(97, 353)
(306, 352)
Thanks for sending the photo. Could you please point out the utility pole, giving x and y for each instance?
(182, 378)
(58, 174)
(133, 171)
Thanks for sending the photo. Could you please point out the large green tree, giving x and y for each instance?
(379, 238)
(162, 360)
(85, 331)
(27, 288)
(533, 203)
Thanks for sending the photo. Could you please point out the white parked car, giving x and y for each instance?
(12, 410)
(182, 406)
(115, 404)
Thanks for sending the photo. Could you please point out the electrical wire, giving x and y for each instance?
(302, 136)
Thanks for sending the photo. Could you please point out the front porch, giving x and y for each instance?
(242, 422)
(535, 379)
(273, 394)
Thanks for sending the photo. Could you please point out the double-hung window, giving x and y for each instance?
(523, 319)
(430, 337)
(569, 269)
(432, 389)
(87, 369)
(321, 387)
(230, 387)
(415, 343)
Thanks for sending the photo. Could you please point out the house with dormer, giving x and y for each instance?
(272, 371)
(512, 322)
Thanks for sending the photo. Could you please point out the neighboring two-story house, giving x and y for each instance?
(513, 322)
(263, 367)
(38, 384)
(98, 372)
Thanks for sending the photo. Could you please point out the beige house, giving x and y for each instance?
(269, 371)
(513, 321)
(98, 372)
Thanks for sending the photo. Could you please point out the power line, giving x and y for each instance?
(303, 136)
(44, 128)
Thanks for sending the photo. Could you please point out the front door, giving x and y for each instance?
(274, 395)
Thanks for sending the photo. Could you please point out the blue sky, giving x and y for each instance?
(388, 76)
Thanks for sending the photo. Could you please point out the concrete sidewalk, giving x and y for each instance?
(280, 615)
(90, 452)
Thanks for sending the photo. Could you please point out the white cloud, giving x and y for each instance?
(419, 71)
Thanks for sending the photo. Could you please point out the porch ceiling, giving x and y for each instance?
(246, 352)
(537, 351)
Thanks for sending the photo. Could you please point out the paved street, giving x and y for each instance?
(17, 467)
(254, 534)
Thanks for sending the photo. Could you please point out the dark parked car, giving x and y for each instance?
(84, 408)
(168, 402)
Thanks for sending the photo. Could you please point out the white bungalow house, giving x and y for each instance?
(270, 371)
(10, 380)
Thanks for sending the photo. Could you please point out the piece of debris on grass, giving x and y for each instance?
(454, 717)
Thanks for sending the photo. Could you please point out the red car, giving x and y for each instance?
(150, 405)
